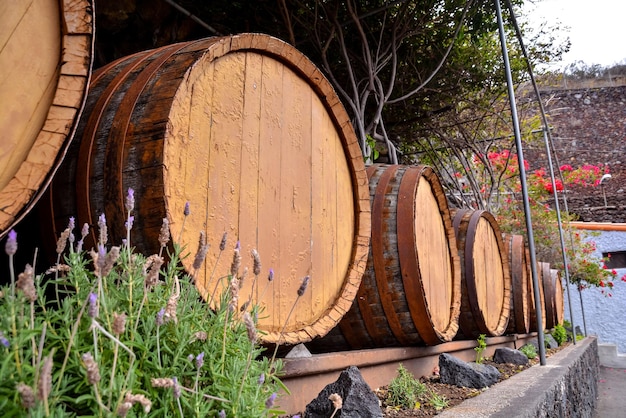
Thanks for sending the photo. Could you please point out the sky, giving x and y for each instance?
(596, 27)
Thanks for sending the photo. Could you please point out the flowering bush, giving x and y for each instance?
(585, 268)
(114, 333)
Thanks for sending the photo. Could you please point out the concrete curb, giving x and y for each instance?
(566, 386)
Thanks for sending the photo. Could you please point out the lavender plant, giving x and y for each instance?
(127, 335)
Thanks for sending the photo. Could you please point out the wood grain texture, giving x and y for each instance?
(519, 321)
(486, 279)
(46, 54)
(238, 128)
(534, 323)
(410, 292)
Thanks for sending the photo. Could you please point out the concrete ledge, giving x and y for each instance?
(609, 357)
(566, 386)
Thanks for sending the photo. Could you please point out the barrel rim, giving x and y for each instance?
(409, 259)
(472, 218)
(520, 297)
(73, 29)
(305, 68)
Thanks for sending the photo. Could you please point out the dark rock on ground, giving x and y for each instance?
(453, 371)
(509, 355)
(359, 401)
(550, 341)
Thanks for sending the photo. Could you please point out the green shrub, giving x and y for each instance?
(529, 351)
(123, 333)
(438, 402)
(404, 390)
(482, 345)
(559, 334)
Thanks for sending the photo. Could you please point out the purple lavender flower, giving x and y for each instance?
(200, 360)
(129, 223)
(72, 223)
(262, 379)
(270, 401)
(4, 341)
(130, 200)
(84, 230)
(270, 276)
(102, 225)
(159, 317)
(222, 414)
(176, 388)
(190, 357)
(186, 211)
(93, 305)
(102, 254)
(11, 245)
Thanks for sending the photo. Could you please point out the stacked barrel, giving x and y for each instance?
(250, 134)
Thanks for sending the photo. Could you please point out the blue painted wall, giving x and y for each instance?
(605, 316)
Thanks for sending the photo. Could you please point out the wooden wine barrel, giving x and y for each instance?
(485, 274)
(559, 301)
(410, 293)
(251, 134)
(533, 312)
(519, 320)
(553, 291)
(46, 53)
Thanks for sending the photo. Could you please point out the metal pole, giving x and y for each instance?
(522, 171)
(582, 310)
(560, 225)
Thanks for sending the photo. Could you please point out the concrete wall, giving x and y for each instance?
(567, 386)
(605, 316)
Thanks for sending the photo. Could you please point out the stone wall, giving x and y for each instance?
(588, 127)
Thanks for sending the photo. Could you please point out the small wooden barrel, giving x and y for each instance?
(519, 320)
(485, 274)
(46, 55)
(541, 266)
(553, 290)
(410, 292)
(251, 134)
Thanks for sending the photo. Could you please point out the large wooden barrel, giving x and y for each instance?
(519, 320)
(46, 52)
(553, 290)
(410, 293)
(485, 274)
(541, 267)
(251, 134)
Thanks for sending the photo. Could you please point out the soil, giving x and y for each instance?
(454, 395)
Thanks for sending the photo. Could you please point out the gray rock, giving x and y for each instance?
(359, 401)
(535, 343)
(509, 355)
(299, 351)
(453, 371)
(550, 342)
